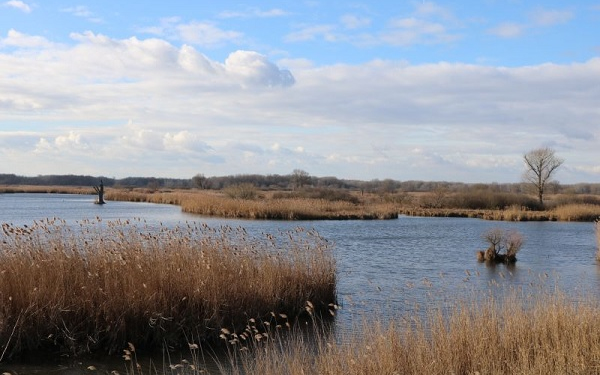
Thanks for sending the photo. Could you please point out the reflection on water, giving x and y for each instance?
(385, 267)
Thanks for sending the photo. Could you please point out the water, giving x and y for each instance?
(385, 267)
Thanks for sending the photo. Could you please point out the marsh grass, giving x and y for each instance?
(255, 206)
(541, 333)
(100, 285)
(597, 228)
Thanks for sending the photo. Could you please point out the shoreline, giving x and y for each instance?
(268, 205)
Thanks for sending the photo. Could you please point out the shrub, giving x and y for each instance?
(487, 200)
(504, 246)
(328, 194)
(241, 191)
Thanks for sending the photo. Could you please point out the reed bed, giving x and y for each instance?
(8, 189)
(577, 212)
(217, 204)
(569, 212)
(97, 286)
(518, 334)
(597, 226)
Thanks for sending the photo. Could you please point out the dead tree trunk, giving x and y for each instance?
(100, 191)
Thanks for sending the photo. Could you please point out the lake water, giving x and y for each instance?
(385, 267)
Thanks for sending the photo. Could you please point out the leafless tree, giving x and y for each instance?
(300, 178)
(541, 164)
(199, 181)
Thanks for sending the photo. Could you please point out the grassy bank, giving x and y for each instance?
(336, 204)
(265, 206)
(104, 284)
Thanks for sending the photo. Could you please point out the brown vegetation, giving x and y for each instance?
(518, 334)
(504, 246)
(315, 203)
(103, 284)
(243, 202)
(598, 238)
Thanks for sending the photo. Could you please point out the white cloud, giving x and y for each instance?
(254, 12)
(255, 68)
(351, 21)
(539, 18)
(508, 30)
(550, 17)
(184, 141)
(17, 39)
(312, 32)
(243, 115)
(206, 34)
(20, 5)
(83, 12)
(70, 143)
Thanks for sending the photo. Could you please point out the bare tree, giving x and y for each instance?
(541, 164)
(199, 181)
(300, 178)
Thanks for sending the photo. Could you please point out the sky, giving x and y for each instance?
(407, 90)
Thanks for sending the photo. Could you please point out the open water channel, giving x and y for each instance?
(385, 268)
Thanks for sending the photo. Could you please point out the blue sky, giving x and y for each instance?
(412, 90)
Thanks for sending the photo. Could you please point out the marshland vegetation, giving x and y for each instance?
(99, 285)
(299, 196)
(518, 334)
(358, 351)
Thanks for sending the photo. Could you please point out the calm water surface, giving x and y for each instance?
(385, 267)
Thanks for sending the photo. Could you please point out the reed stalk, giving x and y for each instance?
(99, 285)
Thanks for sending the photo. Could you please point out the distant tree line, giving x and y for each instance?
(295, 180)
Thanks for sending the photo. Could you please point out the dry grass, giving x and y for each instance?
(597, 225)
(520, 334)
(103, 284)
(212, 203)
(45, 189)
(577, 212)
(331, 204)
(569, 212)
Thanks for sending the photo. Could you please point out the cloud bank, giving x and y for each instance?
(122, 107)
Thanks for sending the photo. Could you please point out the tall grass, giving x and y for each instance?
(518, 334)
(103, 284)
(597, 224)
(275, 208)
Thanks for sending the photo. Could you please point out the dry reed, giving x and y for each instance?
(597, 226)
(539, 333)
(218, 204)
(101, 284)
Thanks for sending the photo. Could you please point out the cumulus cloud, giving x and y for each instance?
(70, 143)
(17, 4)
(184, 141)
(18, 39)
(255, 68)
(246, 114)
